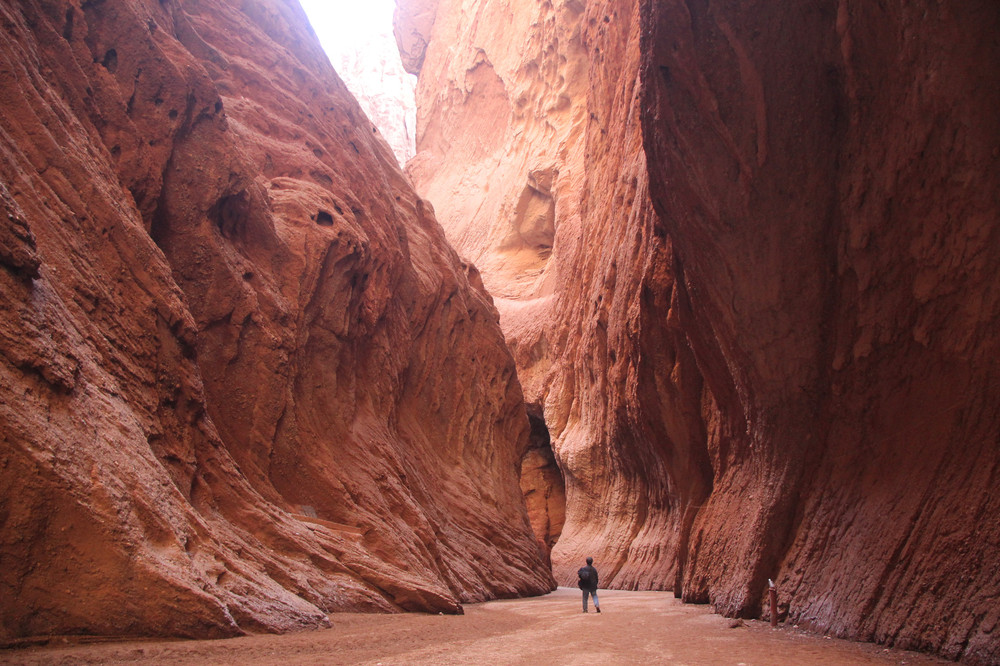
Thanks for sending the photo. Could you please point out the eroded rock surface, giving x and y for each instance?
(542, 484)
(829, 175)
(774, 355)
(244, 380)
(533, 160)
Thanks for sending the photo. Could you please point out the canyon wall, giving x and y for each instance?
(529, 146)
(748, 271)
(829, 175)
(244, 380)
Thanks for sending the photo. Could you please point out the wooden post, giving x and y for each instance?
(772, 592)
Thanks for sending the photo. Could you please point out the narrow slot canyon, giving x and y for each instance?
(707, 291)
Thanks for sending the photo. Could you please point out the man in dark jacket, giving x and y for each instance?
(588, 583)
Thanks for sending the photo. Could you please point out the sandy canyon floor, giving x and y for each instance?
(634, 628)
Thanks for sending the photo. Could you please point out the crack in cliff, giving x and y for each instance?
(542, 483)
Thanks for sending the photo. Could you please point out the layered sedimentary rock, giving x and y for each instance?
(543, 485)
(774, 356)
(499, 153)
(244, 380)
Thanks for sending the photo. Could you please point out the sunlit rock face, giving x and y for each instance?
(500, 130)
(775, 355)
(244, 382)
(376, 78)
(529, 147)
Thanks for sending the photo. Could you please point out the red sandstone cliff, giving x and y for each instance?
(244, 380)
(533, 160)
(780, 360)
(829, 174)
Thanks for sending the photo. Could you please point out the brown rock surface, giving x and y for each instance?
(543, 485)
(781, 364)
(830, 177)
(243, 380)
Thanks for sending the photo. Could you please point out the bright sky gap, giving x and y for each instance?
(358, 39)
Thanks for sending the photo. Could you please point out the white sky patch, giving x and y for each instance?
(357, 37)
(347, 26)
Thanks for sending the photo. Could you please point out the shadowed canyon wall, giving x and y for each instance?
(829, 174)
(748, 270)
(244, 381)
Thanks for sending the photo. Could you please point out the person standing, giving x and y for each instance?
(588, 583)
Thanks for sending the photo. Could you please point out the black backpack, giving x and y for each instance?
(584, 575)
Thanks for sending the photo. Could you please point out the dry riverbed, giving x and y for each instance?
(634, 628)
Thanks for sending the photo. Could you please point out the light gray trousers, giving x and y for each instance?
(597, 604)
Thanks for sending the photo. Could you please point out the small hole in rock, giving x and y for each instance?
(110, 61)
(324, 219)
(322, 178)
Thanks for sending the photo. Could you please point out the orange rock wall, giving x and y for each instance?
(244, 380)
(551, 203)
(500, 154)
(773, 356)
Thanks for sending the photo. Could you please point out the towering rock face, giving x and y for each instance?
(500, 130)
(773, 356)
(244, 381)
(529, 147)
(830, 177)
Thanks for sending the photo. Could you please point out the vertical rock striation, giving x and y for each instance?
(244, 380)
(773, 355)
(500, 145)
